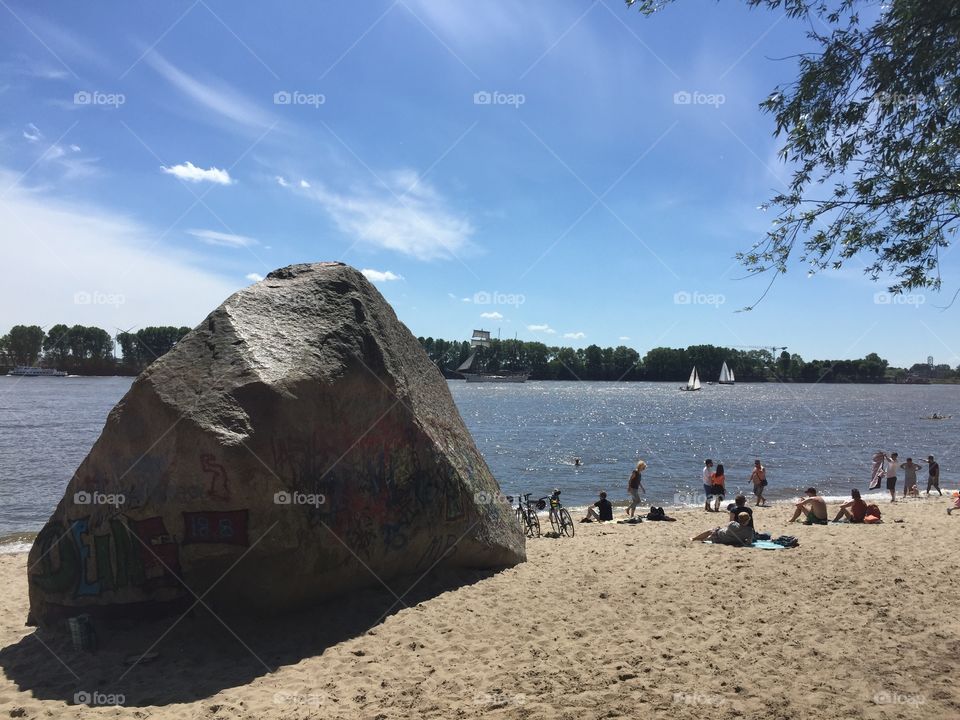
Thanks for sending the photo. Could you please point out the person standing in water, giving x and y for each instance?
(719, 486)
(707, 483)
(635, 486)
(890, 470)
(910, 477)
(759, 479)
(933, 475)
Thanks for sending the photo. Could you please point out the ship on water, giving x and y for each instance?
(473, 368)
(28, 371)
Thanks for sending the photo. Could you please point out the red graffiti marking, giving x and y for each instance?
(218, 477)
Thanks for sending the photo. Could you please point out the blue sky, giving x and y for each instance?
(565, 171)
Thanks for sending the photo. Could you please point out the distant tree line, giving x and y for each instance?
(667, 364)
(86, 350)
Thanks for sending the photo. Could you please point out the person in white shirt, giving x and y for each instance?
(890, 470)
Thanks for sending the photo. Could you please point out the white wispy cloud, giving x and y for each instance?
(624, 337)
(222, 100)
(31, 133)
(212, 237)
(409, 216)
(191, 173)
(380, 275)
(492, 315)
(85, 250)
(469, 300)
(574, 335)
(542, 328)
(304, 184)
(281, 181)
(254, 277)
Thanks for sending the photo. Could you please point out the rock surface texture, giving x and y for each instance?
(296, 445)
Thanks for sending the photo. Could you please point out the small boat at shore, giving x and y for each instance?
(937, 416)
(28, 371)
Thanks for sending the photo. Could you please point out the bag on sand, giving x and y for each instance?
(872, 515)
(787, 541)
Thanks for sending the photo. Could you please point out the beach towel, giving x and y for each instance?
(759, 544)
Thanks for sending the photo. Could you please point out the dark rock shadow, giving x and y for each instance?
(213, 654)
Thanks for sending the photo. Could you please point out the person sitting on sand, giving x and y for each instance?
(739, 505)
(738, 532)
(759, 479)
(601, 510)
(719, 487)
(635, 486)
(813, 506)
(956, 503)
(854, 511)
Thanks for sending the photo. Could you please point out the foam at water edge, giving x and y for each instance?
(14, 548)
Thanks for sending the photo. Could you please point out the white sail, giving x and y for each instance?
(726, 375)
(694, 382)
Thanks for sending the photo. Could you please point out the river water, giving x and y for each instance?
(822, 435)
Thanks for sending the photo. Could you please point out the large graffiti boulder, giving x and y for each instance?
(297, 444)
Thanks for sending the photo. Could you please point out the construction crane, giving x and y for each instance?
(773, 349)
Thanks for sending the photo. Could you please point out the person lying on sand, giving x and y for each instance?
(601, 510)
(854, 511)
(737, 533)
(813, 507)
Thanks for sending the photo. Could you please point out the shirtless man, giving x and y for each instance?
(813, 507)
(933, 475)
(759, 479)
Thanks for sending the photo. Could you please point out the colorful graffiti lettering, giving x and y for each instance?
(130, 554)
(211, 526)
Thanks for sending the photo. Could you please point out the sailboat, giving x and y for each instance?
(694, 382)
(481, 338)
(726, 375)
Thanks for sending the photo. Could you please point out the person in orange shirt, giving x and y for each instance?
(719, 486)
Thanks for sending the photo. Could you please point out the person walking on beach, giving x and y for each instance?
(707, 483)
(719, 487)
(635, 487)
(890, 470)
(759, 479)
(813, 506)
(910, 477)
(933, 475)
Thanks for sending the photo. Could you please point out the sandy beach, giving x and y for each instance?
(621, 621)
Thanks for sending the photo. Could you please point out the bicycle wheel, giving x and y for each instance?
(533, 524)
(555, 521)
(566, 523)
